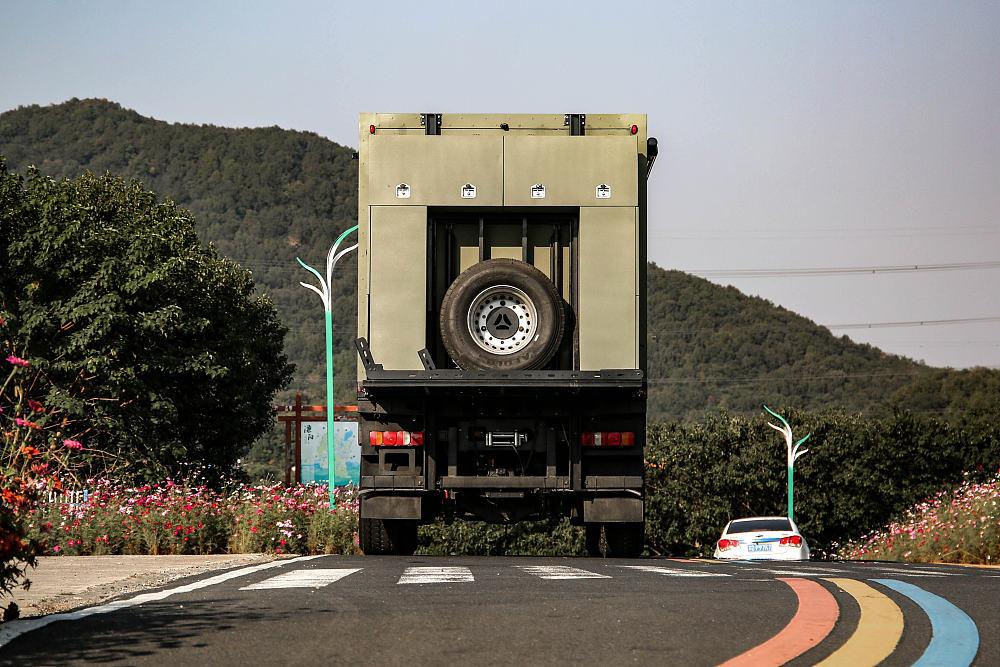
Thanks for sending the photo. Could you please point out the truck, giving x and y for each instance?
(502, 323)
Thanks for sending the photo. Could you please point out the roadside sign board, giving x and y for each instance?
(312, 435)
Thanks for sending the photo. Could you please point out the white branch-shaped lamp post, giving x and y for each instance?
(325, 293)
(793, 454)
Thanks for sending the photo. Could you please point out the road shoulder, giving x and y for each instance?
(64, 583)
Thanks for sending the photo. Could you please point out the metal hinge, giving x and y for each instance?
(577, 123)
(431, 122)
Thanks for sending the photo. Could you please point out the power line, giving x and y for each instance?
(829, 232)
(914, 323)
(868, 325)
(795, 378)
(843, 270)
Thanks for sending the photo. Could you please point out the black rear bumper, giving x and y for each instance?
(379, 379)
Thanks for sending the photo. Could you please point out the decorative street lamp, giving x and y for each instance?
(793, 455)
(325, 293)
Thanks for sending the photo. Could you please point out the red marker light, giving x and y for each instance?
(634, 129)
(371, 129)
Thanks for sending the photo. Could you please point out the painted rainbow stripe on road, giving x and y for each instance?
(879, 628)
(814, 619)
(954, 636)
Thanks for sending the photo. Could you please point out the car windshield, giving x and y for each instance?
(758, 525)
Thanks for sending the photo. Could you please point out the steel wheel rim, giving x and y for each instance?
(502, 320)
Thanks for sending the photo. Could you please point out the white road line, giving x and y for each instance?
(561, 572)
(673, 571)
(12, 629)
(916, 573)
(436, 575)
(303, 579)
(797, 573)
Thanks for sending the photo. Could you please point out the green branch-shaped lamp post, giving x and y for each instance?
(793, 455)
(325, 293)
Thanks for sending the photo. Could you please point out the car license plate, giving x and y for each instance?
(757, 548)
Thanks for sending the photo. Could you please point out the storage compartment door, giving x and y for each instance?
(572, 171)
(398, 285)
(435, 170)
(609, 296)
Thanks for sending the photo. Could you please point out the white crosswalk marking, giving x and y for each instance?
(903, 572)
(561, 572)
(436, 575)
(303, 579)
(673, 571)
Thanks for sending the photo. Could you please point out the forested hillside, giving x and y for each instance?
(264, 196)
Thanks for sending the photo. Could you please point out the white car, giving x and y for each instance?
(762, 538)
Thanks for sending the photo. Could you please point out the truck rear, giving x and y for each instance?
(501, 323)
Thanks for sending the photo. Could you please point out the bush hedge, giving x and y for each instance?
(859, 474)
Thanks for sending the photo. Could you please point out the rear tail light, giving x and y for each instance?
(728, 544)
(793, 540)
(607, 439)
(396, 438)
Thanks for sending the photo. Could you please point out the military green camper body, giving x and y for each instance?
(501, 322)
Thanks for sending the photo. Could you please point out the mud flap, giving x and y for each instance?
(612, 510)
(391, 507)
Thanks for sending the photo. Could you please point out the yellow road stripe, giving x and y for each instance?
(878, 631)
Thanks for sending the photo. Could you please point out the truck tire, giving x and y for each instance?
(624, 540)
(502, 314)
(379, 537)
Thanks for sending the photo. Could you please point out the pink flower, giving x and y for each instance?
(72, 444)
(25, 422)
(35, 405)
(18, 361)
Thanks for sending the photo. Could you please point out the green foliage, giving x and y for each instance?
(859, 473)
(265, 196)
(111, 290)
(527, 538)
(960, 526)
(261, 197)
(712, 347)
(174, 518)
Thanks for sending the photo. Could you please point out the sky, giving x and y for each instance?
(793, 135)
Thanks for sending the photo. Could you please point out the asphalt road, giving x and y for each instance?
(504, 611)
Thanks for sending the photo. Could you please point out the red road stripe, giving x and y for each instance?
(814, 619)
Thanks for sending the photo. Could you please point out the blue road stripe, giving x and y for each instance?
(954, 637)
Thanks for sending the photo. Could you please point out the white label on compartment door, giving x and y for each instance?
(402, 191)
(604, 191)
(468, 191)
(538, 191)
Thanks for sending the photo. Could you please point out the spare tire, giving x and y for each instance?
(502, 314)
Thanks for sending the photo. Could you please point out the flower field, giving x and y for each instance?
(961, 526)
(170, 518)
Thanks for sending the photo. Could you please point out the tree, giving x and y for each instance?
(99, 277)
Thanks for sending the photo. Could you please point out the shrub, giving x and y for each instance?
(859, 472)
(171, 518)
(960, 526)
(527, 538)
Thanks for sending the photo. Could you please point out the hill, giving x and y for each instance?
(264, 196)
